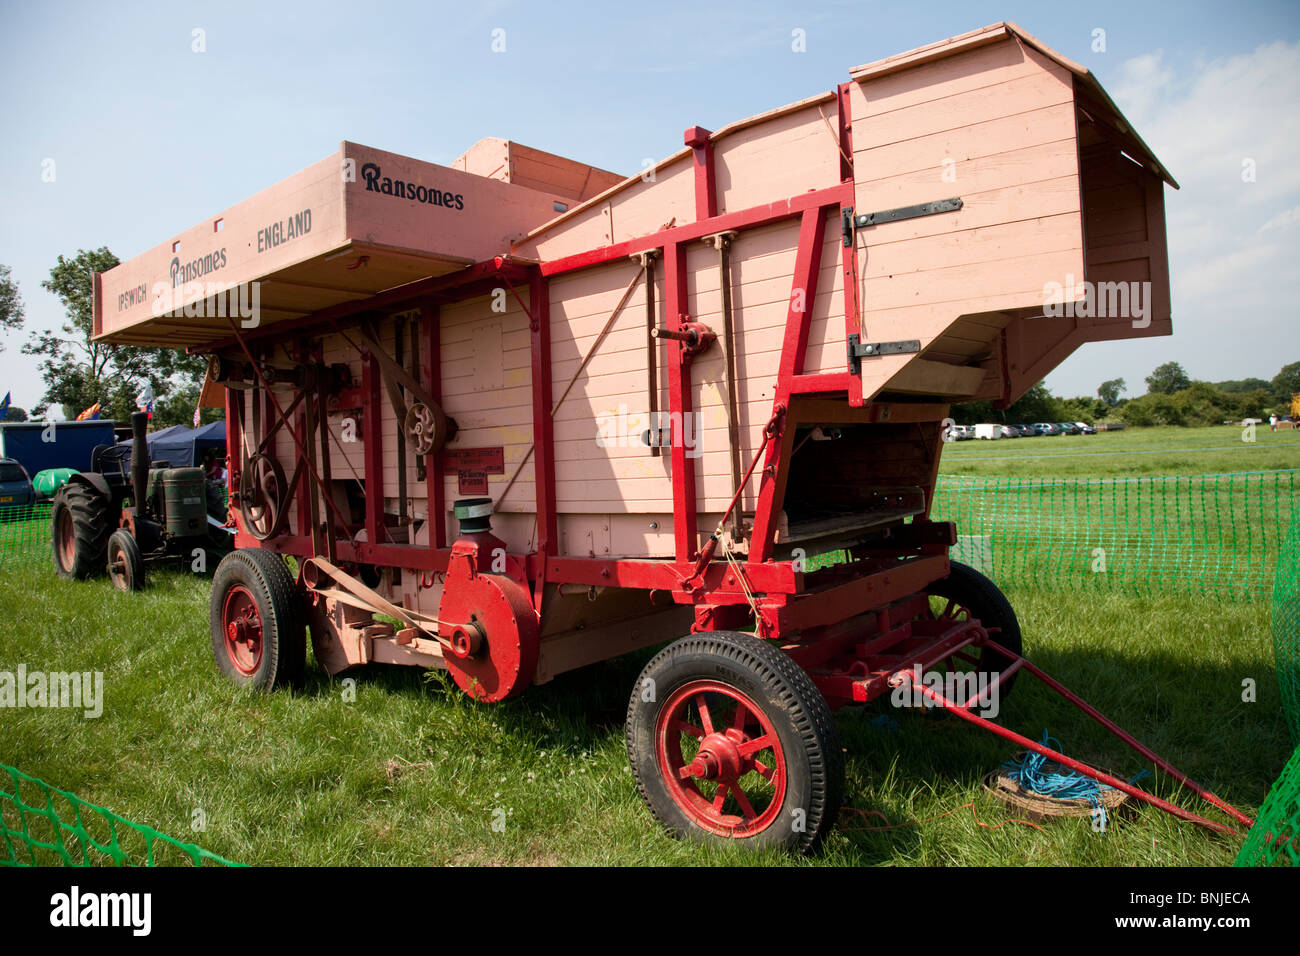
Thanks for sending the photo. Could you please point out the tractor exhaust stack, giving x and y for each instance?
(139, 459)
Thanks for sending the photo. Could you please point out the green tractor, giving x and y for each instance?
(114, 520)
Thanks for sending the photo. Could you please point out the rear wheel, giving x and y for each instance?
(80, 527)
(966, 593)
(730, 741)
(125, 563)
(258, 636)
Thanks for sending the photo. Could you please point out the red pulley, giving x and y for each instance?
(493, 628)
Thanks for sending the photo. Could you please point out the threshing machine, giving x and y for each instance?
(517, 415)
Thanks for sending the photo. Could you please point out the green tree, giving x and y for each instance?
(15, 414)
(1108, 391)
(1167, 379)
(11, 305)
(78, 371)
(1286, 383)
(1241, 386)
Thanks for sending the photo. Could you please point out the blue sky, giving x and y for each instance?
(149, 137)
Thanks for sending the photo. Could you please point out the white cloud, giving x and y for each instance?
(1232, 250)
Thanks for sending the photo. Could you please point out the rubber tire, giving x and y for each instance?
(796, 709)
(982, 598)
(123, 540)
(91, 527)
(284, 635)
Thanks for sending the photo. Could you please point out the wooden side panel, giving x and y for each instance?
(487, 388)
(995, 127)
(645, 207)
(782, 157)
(602, 464)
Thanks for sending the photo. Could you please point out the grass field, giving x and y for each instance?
(412, 771)
(1135, 451)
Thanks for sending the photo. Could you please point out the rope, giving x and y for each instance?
(1030, 772)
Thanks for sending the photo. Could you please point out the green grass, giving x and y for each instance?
(1134, 451)
(411, 772)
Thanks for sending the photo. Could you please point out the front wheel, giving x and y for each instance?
(258, 636)
(125, 563)
(730, 741)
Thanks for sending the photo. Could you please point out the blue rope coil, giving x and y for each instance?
(1030, 772)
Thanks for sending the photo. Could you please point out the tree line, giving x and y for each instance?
(1172, 398)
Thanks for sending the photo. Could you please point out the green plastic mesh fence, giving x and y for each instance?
(24, 535)
(1275, 838)
(45, 826)
(1286, 626)
(1201, 534)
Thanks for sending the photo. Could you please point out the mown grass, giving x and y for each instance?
(411, 772)
(1134, 451)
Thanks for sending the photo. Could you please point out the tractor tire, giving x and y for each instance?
(258, 635)
(971, 591)
(125, 563)
(80, 526)
(685, 713)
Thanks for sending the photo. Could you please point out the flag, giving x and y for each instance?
(144, 401)
(90, 414)
(4, 407)
(198, 409)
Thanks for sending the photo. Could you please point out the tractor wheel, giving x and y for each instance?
(125, 563)
(965, 593)
(80, 526)
(730, 741)
(258, 636)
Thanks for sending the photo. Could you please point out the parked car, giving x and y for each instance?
(1048, 428)
(1086, 429)
(1070, 428)
(1009, 431)
(988, 430)
(15, 487)
(961, 433)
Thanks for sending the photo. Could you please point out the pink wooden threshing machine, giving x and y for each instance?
(518, 415)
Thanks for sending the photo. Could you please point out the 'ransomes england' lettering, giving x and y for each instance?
(377, 182)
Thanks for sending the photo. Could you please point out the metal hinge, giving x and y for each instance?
(850, 222)
(859, 350)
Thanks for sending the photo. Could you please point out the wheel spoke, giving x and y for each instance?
(745, 807)
(751, 747)
(703, 706)
(766, 772)
(683, 727)
(741, 718)
(720, 797)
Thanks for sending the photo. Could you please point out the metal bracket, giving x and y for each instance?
(851, 222)
(859, 350)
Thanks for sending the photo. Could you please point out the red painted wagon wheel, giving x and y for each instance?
(243, 630)
(721, 759)
(262, 494)
(256, 620)
(967, 594)
(730, 742)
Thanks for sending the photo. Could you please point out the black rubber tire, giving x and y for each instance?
(971, 590)
(122, 547)
(92, 524)
(284, 637)
(790, 702)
